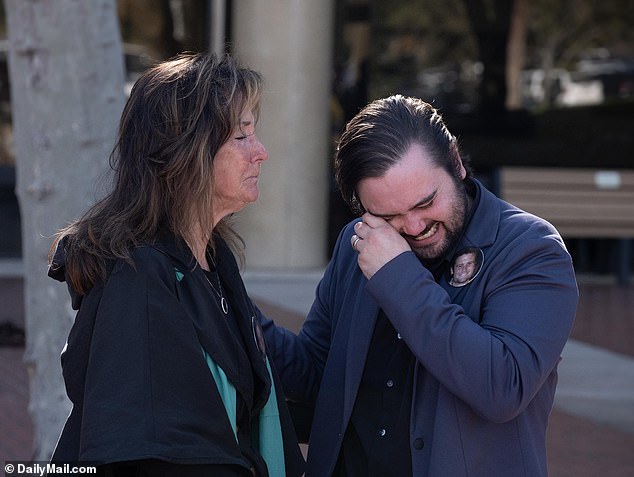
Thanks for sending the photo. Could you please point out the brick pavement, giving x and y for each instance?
(577, 447)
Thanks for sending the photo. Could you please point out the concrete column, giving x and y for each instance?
(290, 42)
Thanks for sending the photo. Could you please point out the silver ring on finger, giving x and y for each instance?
(354, 243)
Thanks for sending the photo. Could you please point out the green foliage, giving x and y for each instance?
(568, 29)
(410, 36)
(435, 32)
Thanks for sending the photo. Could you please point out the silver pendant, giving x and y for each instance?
(224, 305)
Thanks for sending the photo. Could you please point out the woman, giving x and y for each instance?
(165, 364)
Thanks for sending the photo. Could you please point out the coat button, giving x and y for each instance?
(419, 443)
(389, 383)
(382, 433)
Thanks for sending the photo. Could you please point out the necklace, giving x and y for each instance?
(223, 301)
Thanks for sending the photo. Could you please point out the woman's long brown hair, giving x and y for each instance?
(178, 115)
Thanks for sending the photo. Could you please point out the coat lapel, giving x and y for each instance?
(245, 315)
(364, 315)
(208, 319)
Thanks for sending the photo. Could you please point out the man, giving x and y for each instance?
(465, 266)
(408, 374)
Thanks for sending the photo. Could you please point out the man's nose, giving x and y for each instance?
(413, 224)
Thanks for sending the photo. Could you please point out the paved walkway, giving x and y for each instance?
(591, 431)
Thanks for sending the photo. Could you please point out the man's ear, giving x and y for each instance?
(458, 166)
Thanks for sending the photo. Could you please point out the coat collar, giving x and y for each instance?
(483, 225)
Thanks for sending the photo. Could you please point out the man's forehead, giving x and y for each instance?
(411, 182)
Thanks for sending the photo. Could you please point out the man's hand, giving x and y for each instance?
(377, 242)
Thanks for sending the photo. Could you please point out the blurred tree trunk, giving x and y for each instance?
(165, 27)
(490, 22)
(516, 54)
(66, 75)
(149, 23)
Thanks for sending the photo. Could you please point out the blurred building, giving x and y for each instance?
(323, 60)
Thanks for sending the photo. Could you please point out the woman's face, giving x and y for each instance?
(237, 169)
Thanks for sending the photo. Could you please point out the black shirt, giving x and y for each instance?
(376, 442)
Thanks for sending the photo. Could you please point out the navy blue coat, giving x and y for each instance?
(486, 353)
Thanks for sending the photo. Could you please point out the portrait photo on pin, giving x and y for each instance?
(465, 266)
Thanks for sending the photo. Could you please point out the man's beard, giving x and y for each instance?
(454, 228)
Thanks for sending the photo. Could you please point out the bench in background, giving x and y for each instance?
(580, 202)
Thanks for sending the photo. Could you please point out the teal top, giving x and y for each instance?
(269, 438)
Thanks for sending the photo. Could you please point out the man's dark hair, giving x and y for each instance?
(380, 135)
